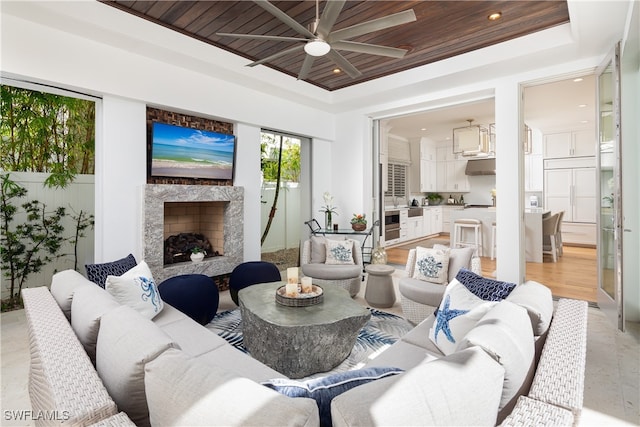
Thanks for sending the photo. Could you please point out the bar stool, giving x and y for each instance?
(493, 240)
(459, 225)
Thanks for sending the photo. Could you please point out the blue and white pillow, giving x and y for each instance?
(339, 251)
(137, 289)
(487, 289)
(432, 265)
(324, 389)
(98, 273)
(459, 311)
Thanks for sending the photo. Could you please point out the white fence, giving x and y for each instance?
(78, 196)
(285, 228)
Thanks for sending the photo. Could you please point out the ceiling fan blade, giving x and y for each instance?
(284, 18)
(345, 65)
(399, 18)
(277, 55)
(372, 49)
(262, 37)
(329, 17)
(306, 67)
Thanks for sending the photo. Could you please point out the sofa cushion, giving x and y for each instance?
(538, 301)
(487, 289)
(458, 313)
(422, 292)
(333, 272)
(404, 355)
(184, 391)
(318, 250)
(339, 252)
(63, 285)
(126, 343)
(432, 265)
(193, 338)
(97, 273)
(324, 389)
(89, 304)
(137, 289)
(238, 363)
(461, 389)
(458, 258)
(505, 334)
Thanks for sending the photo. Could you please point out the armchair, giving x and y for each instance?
(418, 298)
(313, 264)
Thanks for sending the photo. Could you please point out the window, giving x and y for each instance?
(397, 178)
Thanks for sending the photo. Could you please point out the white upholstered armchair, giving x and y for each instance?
(314, 264)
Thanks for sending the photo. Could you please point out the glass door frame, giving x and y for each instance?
(611, 303)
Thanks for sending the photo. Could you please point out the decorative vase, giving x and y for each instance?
(379, 255)
(327, 220)
(358, 227)
(197, 257)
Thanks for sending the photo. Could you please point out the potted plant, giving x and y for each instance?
(359, 222)
(434, 198)
(197, 254)
(328, 210)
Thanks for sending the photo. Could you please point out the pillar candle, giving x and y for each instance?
(306, 285)
(291, 289)
(292, 275)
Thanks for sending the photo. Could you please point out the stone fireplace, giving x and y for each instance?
(217, 212)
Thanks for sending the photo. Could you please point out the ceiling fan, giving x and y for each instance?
(319, 40)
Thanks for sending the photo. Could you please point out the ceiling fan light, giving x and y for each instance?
(317, 47)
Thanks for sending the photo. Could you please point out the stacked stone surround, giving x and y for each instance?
(156, 195)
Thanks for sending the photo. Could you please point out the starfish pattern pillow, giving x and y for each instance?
(432, 265)
(137, 289)
(339, 251)
(459, 311)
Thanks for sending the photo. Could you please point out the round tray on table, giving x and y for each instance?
(302, 300)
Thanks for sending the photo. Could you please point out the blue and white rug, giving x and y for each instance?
(382, 330)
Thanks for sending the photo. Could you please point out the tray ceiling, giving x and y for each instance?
(443, 29)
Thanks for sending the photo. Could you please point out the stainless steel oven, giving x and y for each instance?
(391, 225)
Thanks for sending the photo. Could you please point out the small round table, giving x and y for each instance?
(379, 291)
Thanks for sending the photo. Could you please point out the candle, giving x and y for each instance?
(291, 290)
(292, 275)
(306, 285)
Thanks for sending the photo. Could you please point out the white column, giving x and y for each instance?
(509, 184)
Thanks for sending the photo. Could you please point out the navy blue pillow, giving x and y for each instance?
(324, 389)
(487, 289)
(98, 273)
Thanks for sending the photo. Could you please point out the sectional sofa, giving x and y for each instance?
(95, 361)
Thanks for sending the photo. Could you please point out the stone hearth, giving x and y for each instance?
(155, 197)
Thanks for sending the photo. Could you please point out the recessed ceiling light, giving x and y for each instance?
(423, 129)
(494, 16)
(582, 105)
(337, 71)
(579, 79)
(584, 121)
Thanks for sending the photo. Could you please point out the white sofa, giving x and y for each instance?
(173, 371)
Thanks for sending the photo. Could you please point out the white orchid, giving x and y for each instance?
(328, 203)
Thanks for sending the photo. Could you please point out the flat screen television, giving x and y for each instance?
(183, 152)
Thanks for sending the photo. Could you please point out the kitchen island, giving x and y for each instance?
(532, 224)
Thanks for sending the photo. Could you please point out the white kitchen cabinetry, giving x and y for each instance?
(404, 224)
(570, 186)
(414, 228)
(533, 172)
(428, 166)
(446, 217)
(450, 172)
(580, 143)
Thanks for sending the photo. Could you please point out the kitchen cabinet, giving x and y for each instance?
(428, 176)
(580, 143)
(450, 176)
(432, 221)
(446, 217)
(533, 172)
(414, 228)
(404, 224)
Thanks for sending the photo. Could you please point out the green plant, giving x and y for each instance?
(197, 250)
(30, 245)
(359, 219)
(434, 197)
(82, 221)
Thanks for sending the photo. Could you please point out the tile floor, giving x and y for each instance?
(611, 397)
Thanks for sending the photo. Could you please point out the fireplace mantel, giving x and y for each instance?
(156, 195)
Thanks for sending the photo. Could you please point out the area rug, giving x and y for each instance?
(382, 330)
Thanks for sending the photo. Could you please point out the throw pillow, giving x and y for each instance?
(458, 313)
(98, 273)
(458, 258)
(318, 250)
(339, 251)
(324, 389)
(432, 265)
(487, 289)
(137, 289)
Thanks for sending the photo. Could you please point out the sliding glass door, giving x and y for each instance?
(610, 296)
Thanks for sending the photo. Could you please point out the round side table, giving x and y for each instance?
(379, 291)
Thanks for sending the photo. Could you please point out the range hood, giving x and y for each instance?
(481, 167)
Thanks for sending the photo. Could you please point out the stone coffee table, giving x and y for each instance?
(300, 341)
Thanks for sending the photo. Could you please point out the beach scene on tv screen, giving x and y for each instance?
(191, 153)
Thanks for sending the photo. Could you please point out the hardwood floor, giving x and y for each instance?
(573, 276)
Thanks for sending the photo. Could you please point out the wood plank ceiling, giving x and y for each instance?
(443, 29)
